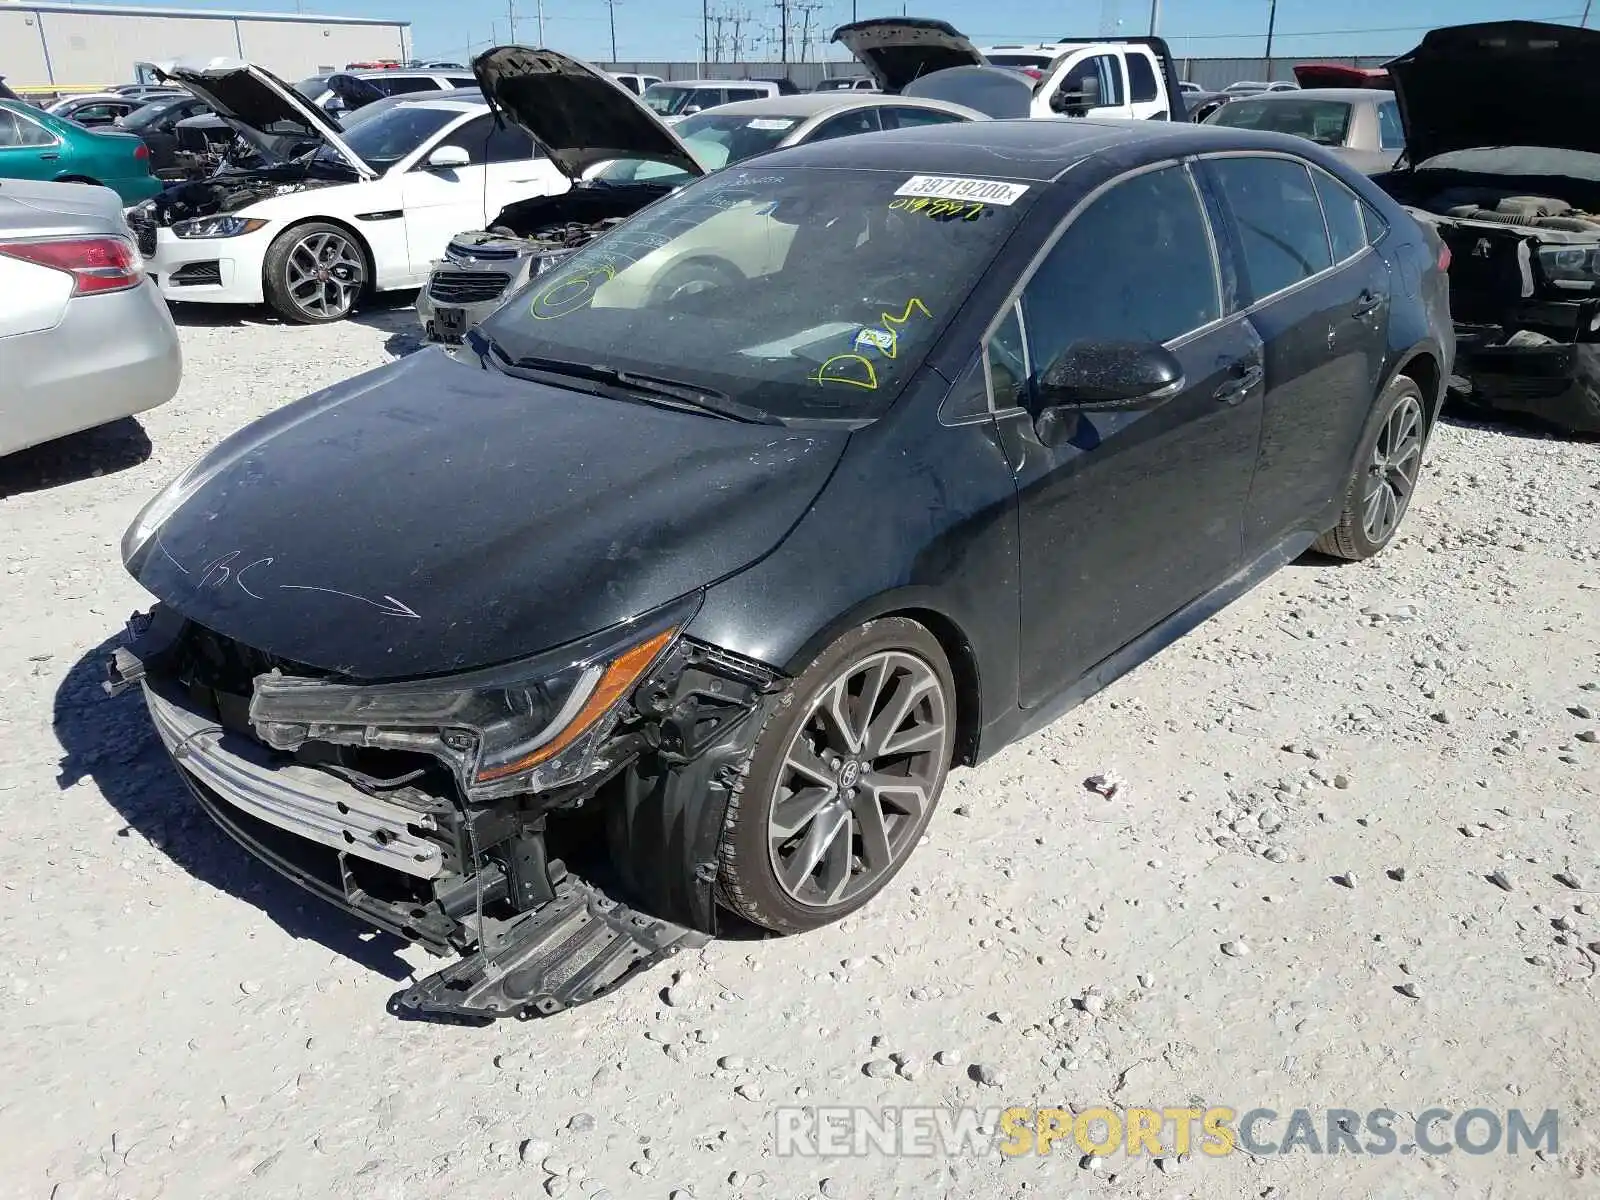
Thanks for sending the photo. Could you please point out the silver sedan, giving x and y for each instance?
(85, 338)
(1361, 125)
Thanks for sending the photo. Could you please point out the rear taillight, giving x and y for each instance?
(1444, 257)
(1033, 72)
(106, 264)
(141, 151)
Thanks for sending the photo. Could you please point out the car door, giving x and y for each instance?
(1109, 88)
(1126, 516)
(1323, 323)
(514, 169)
(27, 149)
(440, 202)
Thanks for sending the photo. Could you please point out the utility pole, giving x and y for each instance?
(806, 9)
(783, 30)
(1583, 21)
(705, 28)
(511, 15)
(541, 28)
(611, 11)
(1155, 16)
(1272, 21)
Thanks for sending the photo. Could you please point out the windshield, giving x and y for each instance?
(1527, 161)
(388, 137)
(1037, 61)
(716, 139)
(638, 170)
(804, 294)
(154, 112)
(1322, 121)
(666, 100)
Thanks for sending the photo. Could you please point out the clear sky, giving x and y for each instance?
(671, 29)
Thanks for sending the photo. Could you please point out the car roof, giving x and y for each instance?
(711, 83)
(813, 104)
(448, 102)
(1025, 149)
(1348, 95)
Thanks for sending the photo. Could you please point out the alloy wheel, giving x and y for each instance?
(324, 274)
(859, 776)
(1396, 461)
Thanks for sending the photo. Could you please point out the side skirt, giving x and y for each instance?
(1147, 645)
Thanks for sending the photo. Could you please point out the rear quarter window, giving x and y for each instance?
(1141, 79)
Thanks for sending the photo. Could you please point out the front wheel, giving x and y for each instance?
(314, 273)
(1379, 491)
(843, 780)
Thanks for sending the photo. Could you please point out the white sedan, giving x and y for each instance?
(330, 214)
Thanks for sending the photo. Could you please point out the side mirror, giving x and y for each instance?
(1106, 377)
(448, 158)
(1076, 104)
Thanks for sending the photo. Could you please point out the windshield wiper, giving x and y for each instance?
(670, 393)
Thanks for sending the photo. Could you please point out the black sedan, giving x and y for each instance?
(740, 528)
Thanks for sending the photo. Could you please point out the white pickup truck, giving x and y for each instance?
(1132, 78)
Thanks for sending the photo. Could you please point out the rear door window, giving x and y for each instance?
(1391, 134)
(1141, 79)
(1279, 220)
(396, 87)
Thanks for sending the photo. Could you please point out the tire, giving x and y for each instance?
(315, 273)
(802, 764)
(1379, 490)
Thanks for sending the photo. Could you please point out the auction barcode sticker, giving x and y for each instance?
(950, 187)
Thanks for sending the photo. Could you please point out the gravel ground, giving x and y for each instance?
(1354, 862)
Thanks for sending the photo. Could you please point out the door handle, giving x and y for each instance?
(1368, 302)
(1246, 379)
(51, 157)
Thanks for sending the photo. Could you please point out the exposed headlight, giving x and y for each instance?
(1573, 268)
(217, 227)
(525, 727)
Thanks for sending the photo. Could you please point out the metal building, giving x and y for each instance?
(79, 45)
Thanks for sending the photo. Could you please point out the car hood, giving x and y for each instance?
(261, 106)
(353, 90)
(432, 516)
(1500, 83)
(577, 113)
(898, 50)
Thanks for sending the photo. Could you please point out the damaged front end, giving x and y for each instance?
(423, 807)
(1525, 297)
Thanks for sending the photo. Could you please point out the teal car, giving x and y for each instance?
(37, 145)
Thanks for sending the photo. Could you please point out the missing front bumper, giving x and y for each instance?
(1556, 382)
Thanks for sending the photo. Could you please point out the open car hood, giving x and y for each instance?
(1500, 83)
(1339, 75)
(898, 50)
(354, 91)
(998, 92)
(578, 114)
(267, 111)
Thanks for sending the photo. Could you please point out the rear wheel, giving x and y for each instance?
(1380, 489)
(843, 780)
(314, 273)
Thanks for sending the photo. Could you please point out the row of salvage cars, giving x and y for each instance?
(341, 211)
(708, 578)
